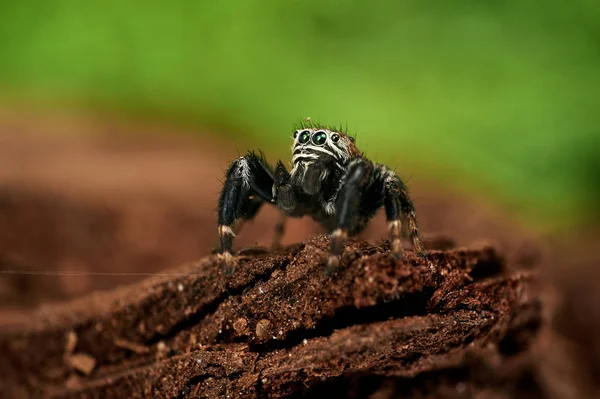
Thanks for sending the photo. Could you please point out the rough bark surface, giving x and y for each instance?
(457, 324)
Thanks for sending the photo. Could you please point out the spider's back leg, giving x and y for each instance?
(399, 206)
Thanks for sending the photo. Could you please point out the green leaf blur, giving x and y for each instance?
(496, 96)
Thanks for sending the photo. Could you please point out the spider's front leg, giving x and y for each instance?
(248, 185)
(359, 175)
(398, 206)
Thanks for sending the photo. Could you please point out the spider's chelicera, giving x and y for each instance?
(330, 180)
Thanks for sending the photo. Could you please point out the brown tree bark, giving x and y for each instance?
(458, 324)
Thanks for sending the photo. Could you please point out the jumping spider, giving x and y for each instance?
(330, 180)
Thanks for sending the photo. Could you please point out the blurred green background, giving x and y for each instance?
(497, 97)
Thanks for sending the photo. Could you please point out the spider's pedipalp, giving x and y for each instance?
(283, 193)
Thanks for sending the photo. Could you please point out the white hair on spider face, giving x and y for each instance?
(315, 143)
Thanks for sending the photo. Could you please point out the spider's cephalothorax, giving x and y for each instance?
(330, 180)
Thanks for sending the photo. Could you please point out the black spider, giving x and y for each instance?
(330, 180)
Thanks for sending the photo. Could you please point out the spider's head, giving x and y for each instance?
(317, 143)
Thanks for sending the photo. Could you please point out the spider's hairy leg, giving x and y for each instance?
(247, 186)
(399, 206)
(357, 178)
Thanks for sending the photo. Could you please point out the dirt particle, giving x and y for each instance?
(197, 389)
(238, 360)
(162, 349)
(180, 287)
(71, 343)
(73, 382)
(240, 325)
(132, 346)
(82, 362)
(193, 340)
(263, 328)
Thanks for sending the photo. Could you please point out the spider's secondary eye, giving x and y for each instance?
(295, 134)
(335, 137)
(319, 138)
(304, 137)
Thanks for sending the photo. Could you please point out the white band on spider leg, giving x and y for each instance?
(226, 230)
(330, 208)
(339, 233)
(396, 245)
(226, 256)
(394, 228)
(394, 224)
(333, 261)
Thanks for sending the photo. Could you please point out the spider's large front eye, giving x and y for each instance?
(319, 138)
(304, 137)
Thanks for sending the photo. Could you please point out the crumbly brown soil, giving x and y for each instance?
(472, 320)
